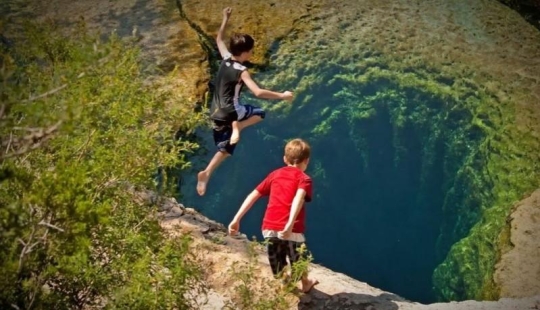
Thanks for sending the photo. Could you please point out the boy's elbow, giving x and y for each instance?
(258, 93)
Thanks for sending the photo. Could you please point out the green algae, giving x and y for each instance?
(499, 168)
(514, 177)
(490, 162)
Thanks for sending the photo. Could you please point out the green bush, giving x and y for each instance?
(77, 126)
(254, 292)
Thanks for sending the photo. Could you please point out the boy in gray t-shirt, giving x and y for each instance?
(228, 114)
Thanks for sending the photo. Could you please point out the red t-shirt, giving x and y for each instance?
(281, 185)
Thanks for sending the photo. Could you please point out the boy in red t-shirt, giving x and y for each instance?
(284, 220)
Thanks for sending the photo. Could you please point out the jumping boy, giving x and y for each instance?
(230, 117)
(284, 220)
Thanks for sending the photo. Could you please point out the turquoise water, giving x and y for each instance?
(410, 128)
(380, 183)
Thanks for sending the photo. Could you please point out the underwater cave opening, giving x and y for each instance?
(383, 168)
(379, 216)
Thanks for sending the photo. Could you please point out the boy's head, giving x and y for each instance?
(241, 43)
(297, 152)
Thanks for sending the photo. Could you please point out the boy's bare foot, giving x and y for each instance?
(308, 284)
(235, 137)
(202, 180)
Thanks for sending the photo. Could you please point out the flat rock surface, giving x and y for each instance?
(518, 272)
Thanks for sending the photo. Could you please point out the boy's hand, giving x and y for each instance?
(234, 227)
(285, 233)
(287, 96)
(227, 12)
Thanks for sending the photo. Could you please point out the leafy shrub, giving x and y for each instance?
(78, 123)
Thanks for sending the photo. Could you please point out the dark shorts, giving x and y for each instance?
(278, 251)
(253, 111)
(223, 131)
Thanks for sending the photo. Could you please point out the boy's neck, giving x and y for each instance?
(299, 166)
(240, 59)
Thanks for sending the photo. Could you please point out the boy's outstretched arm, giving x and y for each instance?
(219, 40)
(296, 206)
(264, 93)
(234, 226)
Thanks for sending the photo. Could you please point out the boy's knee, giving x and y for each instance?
(224, 152)
(226, 148)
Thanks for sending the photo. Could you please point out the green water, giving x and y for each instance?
(415, 164)
(384, 161)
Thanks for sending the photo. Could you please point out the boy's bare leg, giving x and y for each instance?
(204, 176)
(307, 283)
(249, 122)
(235, 136)
(239, 126)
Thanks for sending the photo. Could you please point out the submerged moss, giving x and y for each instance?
(499, 162)
(455, 94)
(490, 104)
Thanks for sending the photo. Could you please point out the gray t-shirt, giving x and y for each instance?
(225, 103)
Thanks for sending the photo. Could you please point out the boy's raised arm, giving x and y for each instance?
(219, 40)
(234, 226)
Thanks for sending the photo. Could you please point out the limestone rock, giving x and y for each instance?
(175, 211)
(518, 271)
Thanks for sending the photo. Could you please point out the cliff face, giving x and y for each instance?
(486, 60)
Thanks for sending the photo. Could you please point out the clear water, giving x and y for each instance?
(379, 190)
(389, 99)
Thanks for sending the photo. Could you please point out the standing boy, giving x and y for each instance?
(228, 114)
(284, 220)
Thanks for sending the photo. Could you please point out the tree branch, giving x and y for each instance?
(50, 92)
(50, 226)
(21, 241)
(83, 147)
(37, 135)
(9, 142)
(25, 248)
(29, 142)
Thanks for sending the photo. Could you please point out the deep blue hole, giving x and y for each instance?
(378, 207)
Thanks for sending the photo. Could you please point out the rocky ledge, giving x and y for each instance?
(219, 253)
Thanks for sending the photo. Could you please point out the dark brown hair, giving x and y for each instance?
(241, 42)
(297, 151)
